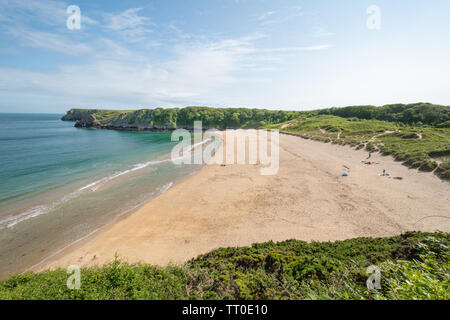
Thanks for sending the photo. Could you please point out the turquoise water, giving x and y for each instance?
(59, 183)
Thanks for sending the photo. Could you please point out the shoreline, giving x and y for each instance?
(97, 232)
(93, 234)
(239, 209)
(61, 222)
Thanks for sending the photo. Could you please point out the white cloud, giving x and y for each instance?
(183, 35)
(280, 16)
(196, 72)
(321, 32)
(116, 75)
(48, 12)
(196, 68)
(317, 47)
(264, 16)
(112, 49)
(130, 24)
(129, 19)
(293, 49)
(49, 41)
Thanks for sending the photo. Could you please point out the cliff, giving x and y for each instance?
(170, 119)
(120, 120)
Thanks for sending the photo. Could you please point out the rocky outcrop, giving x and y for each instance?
(139, 120)
(78, 114)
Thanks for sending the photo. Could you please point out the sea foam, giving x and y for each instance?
(36, 211)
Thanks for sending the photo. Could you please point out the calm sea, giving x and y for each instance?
(59, 183)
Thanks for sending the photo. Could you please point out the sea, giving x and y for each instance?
(59, 184)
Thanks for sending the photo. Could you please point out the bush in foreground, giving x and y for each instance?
(413, 266)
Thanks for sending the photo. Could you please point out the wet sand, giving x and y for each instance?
(309, 199)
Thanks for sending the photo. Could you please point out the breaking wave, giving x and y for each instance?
(36, 211)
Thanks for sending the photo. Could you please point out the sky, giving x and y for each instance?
(274, 54)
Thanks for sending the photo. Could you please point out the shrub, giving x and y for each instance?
(414, 266)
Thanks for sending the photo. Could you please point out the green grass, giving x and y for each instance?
(423, 147)
(445, 124)
(413, 266)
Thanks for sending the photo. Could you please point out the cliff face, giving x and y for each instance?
(77, 114)
(119, 120)
(83, 118)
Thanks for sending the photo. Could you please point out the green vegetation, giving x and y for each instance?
(223, 118)
(416, 113)
(338, 130)
(185, 117)
(413, 266)
(411, 114)
(445, 124)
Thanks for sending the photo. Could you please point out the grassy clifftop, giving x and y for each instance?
(166, 119)
(414, 113)
(411, 114)
(413, 266)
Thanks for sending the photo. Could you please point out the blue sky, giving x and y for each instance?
(276, 54)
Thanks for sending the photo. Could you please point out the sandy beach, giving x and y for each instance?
(233, 205)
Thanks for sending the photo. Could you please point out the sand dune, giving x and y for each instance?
(308, 199)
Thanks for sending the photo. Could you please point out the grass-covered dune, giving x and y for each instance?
(414, 113)
(413, 266)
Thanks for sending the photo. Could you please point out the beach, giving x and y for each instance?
(234, 205)
(59, 184)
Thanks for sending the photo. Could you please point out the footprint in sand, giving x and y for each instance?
(347, 206)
